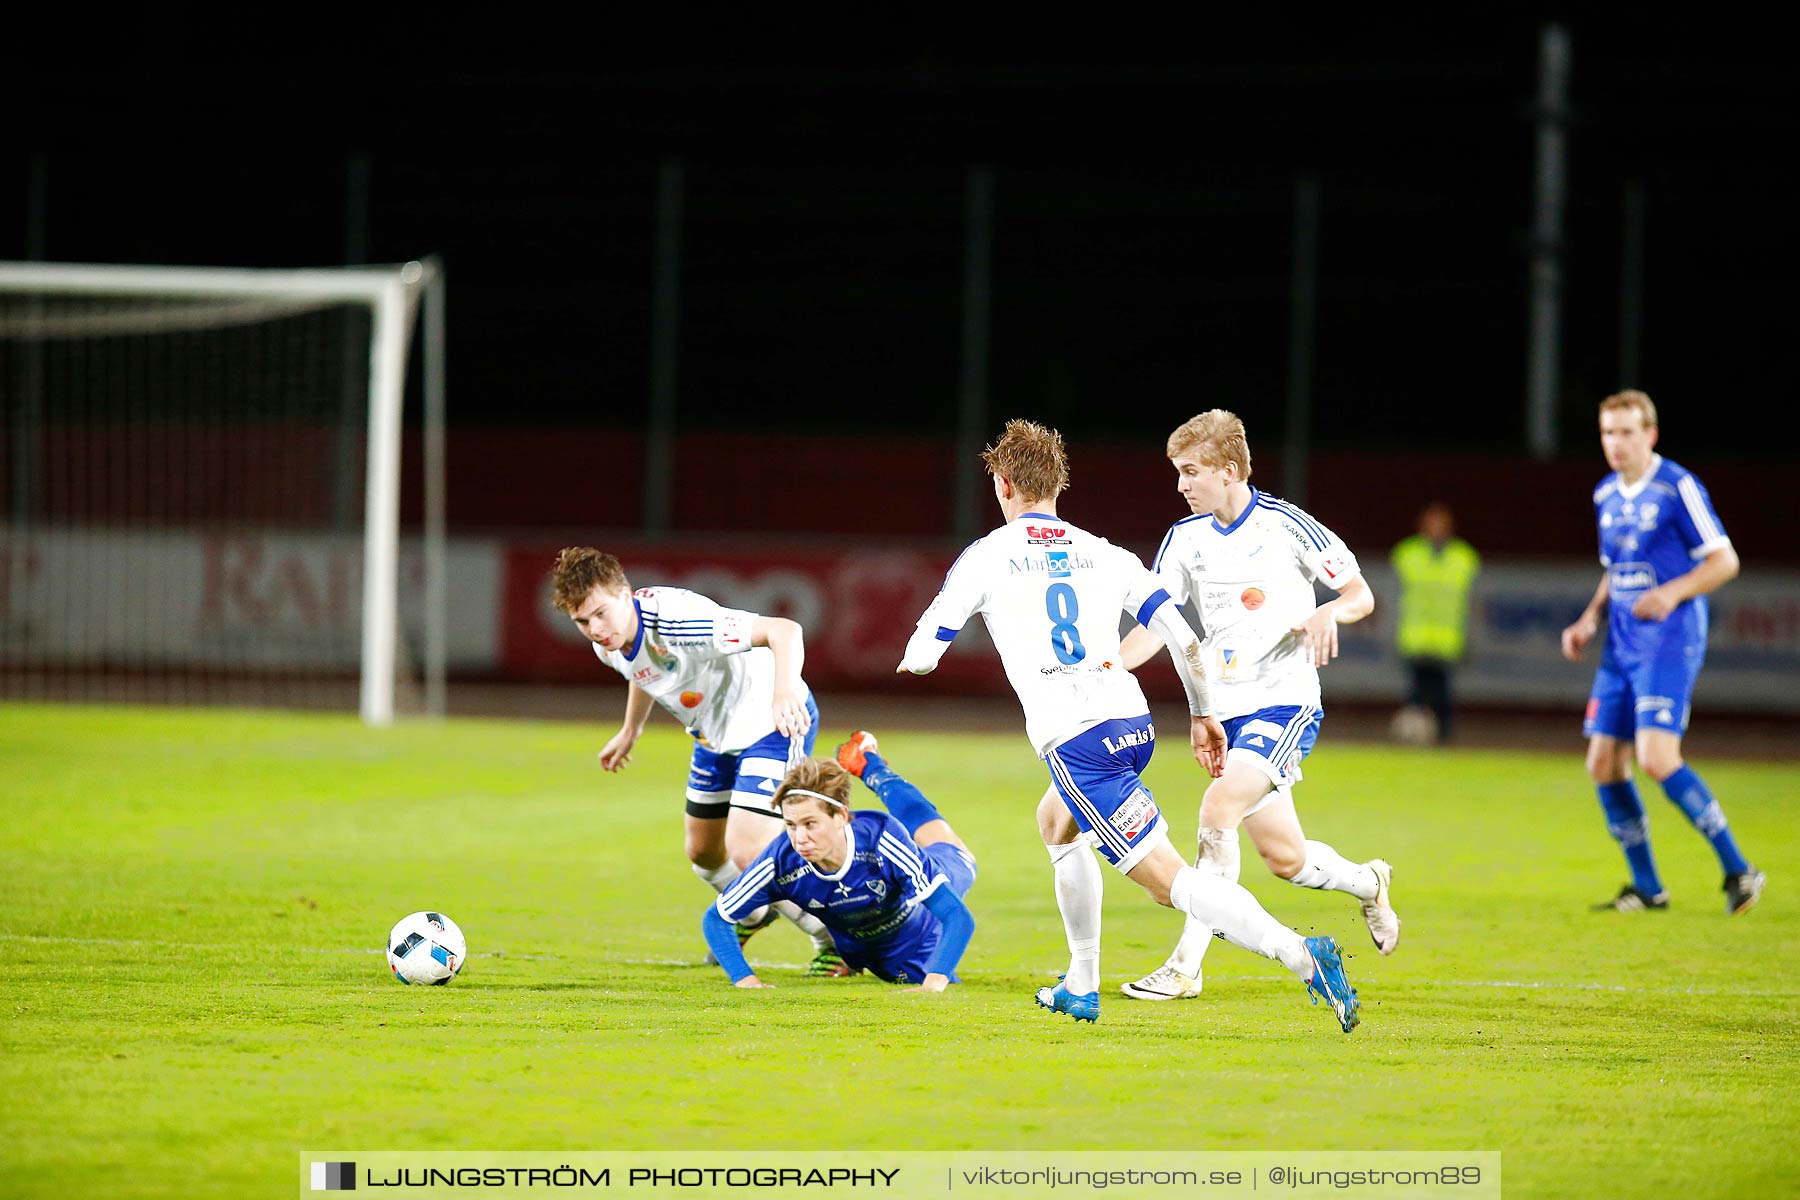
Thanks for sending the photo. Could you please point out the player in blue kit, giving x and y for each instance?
(888, 885)
(1663, 549)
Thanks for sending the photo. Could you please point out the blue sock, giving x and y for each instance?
(906, 802)
(1693, 797)
(1626, 822)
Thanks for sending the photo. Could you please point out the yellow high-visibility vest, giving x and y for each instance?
(1434, 596)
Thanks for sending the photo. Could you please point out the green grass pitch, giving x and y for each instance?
(192, 905)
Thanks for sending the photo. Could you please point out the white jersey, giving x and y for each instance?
(1252, 583)
(694, 657)
(1051, 595)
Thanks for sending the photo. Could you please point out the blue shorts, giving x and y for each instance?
(1276, 739)
(1097, 772)
(1651, 695)
(718, 783)
(903, 958)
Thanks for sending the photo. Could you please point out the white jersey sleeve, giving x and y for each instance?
(1171, 566)
(1145, 592)
(1319, 553)
(962, 596)
(699, 625)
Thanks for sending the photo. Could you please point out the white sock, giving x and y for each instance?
(720, 877)
(1235, 913)
(1330, 871)
(1218, 855)
(808, 924)
(1079, 887)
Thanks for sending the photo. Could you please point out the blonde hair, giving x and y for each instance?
(1217, 437)
(820, 775)
(1631, 398)
(1032, 457)
(579, 570)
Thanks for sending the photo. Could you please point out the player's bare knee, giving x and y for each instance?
(1055, 825)
(1660, 763)
(1158, 887)
(1283, 863)
(1608, 761)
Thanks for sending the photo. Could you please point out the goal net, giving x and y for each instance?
(200, 489)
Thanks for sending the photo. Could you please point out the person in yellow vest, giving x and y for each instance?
(1436, 570)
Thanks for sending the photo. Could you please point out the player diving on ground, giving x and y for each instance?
(888, 885)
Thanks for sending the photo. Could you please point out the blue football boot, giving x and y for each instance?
(1085, 1007)
(1328, 981)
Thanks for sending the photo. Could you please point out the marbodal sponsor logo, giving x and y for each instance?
(1056, 564)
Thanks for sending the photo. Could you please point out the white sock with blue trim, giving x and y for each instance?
(1234, 912)
(1079, 889)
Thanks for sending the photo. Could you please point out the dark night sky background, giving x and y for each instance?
(1144, 198)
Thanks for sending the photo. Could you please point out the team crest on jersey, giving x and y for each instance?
(1252, 598)
(662, 658)
(879, 887)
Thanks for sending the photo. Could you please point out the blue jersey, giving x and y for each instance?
(873, 904)
(1650, 533)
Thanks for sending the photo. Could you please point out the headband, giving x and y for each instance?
(800, 791)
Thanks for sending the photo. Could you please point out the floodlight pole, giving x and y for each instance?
(978, 291)
(28, 421)
(1544, 364)
(1302, 319)
(665, 317)
(1631, 286)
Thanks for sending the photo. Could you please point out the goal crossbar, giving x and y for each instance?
(390, 292)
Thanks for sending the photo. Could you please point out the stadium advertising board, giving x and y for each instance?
(292, 602)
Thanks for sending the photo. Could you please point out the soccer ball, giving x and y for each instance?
(1414, 726)
(426, 947)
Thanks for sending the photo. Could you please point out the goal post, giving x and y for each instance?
(42, 304)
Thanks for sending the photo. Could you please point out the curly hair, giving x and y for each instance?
(579, 570)
(1032, 457)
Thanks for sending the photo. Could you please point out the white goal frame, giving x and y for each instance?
(391, 293)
